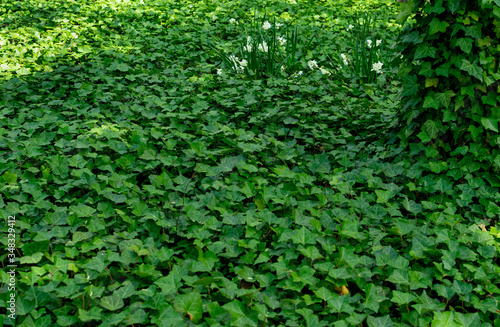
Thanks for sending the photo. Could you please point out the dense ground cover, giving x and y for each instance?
(149, 190)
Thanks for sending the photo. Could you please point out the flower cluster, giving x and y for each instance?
(266, 25)
(377, 43)
(344, 59)
(263, 46)
(313, 64)
(248, 47)
(324, 71)
(240, 65)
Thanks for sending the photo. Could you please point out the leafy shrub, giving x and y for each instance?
(451, 103)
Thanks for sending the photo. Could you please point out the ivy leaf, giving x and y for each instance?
(384, 321)
(97, 263)
(239, 314)
(431, 128)
(303, 236)
(465, 44)
(323, 293)
(445, 97)
(431, 82)
(490, 123)
(374, 296)
(384, 196)
(412, 206)
(93, 314)
(112, 302)
(9, 177)
(410, 86)
(437, 25)
(171, 283)
(340, 303)
(405, 12)
(60, 166)
(399, 276)
(82, 210)
(431, 102)
(424, 50)
(468, 320)
(402, 298)
(414, 37)
(437, 167)
(474, 31)
(444, 319)
(321, 164)
(190, 304)
(461, 287)
(472, 69)
(311, 319)
(453, 5)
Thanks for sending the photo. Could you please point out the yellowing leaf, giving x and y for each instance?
(431, 82)
(342, 289)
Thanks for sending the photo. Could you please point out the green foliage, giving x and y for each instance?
(150, 192)
(368, 55)
(450, 63)
(267, 49)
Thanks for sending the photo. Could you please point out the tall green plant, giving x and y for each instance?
(368, 54)
(266, 50)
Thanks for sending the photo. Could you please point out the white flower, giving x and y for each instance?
(350, 27)
(313, 64)
(248, 47)
(219, 72)
(282, 40)
(377, 67)
(266, 25)
(300, 73)
(344, 59)
(369, 43)
(232, 20)
(234, 59)
(324, 71)
(263, 46)
(278, 25)
(283, 68)
(379, 42)
(243, 63)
